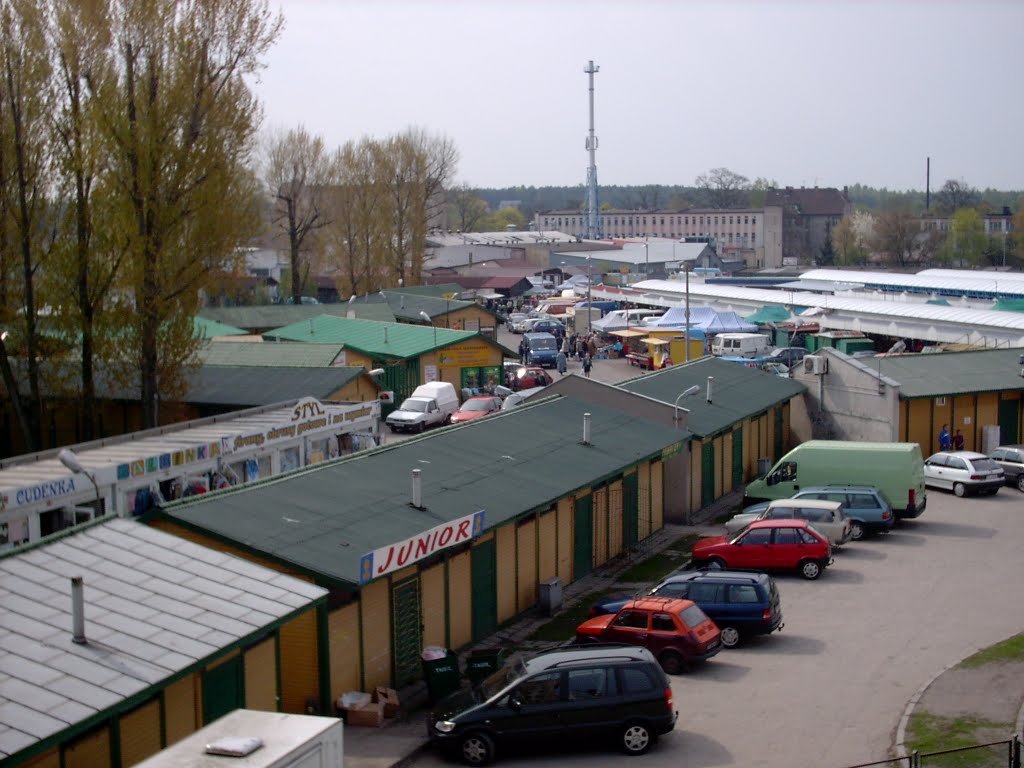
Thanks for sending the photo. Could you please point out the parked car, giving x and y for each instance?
(677, 632)
(431, 404)
(553, 327)
(520, 325)
(514, 321)
(867, 509)
(788, 356)
(825, 516)
(517, 398)
(528, 377)
(963, 472)
(1011, 459)
(615, 693)
(768, 545)
(741, 604)
(476, 408)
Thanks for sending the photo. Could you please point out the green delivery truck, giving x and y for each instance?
(897, 469)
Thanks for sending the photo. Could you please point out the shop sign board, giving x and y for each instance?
(395, 556)
(465, 357)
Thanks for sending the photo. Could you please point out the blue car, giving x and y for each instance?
(741, 603)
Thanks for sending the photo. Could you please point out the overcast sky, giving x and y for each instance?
(803, 93)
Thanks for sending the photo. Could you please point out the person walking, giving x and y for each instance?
(587, 363)
(581, 347)
(945, 443)
(591, 346)
(958, 441)
(522, 351)
(560, 362)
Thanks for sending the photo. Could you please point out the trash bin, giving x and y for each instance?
(440, 671)
(483, 662)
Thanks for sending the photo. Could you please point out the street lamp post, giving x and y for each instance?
(685, 393)
(68, 458)
(426, 317)
(647, 261)
(687, 312)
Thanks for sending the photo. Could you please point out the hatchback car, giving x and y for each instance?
(825, 516)
(963, 472)
(528, 377)
(767, 545)
(548, 326)
(741, 604)
(677, 632)
(580, 693)
(476, 408)
(866, 508)
(1011, 459)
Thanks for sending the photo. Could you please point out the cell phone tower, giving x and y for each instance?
(593, 230)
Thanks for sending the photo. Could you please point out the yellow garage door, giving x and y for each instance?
(600, 525)
(526, 562)
(506, 556)
(548, 543)
(261, 676)
(89, 751)
(49, 760)
(140, 733)
(432, 593)
(644, 526)
(180, 709)
(299, 659)
(376, 608)
(565, 540)
(657, 495)
(460, 600)
(343, 631)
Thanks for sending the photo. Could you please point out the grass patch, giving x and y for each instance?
(563, 626)
(930, 733)
(656, 566)
(1011, 649)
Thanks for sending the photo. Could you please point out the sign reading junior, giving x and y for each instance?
(403, 553)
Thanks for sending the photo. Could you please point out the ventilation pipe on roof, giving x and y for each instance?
(711, 387)
(77, 611)
(385, 335)
(586, 429)
(312, 330)
(417, 488)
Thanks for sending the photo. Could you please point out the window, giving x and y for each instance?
(781, 513)
(743, 593)
(806, 537)
(673, 590)
(860, 501)
(704, 593)
(632, 619)
(786, 472)
(635, 681)
(757, 536)
(787, 536)
(542, 689)
(693, 616)
(662, 622)
(586, 684)
(812, 515)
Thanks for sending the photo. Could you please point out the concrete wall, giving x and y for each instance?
(850, 402)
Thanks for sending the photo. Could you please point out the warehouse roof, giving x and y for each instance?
(208, 329)
(324, 519)
(260, 385)
(737, 393)
(156, 606)
(953, 373)
(221, 353)
(407, 306)
(260, 318)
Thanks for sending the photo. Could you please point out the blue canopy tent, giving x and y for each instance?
(704, 319)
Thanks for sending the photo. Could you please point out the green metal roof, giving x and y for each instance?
(952, 373)
(738, 392)
(269, 354)
(257, 385)
(325, 518)
(207, 329)
(259, 318)
(396, 340)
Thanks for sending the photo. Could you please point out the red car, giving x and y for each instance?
(767, 544)
(676, 631)
(477, 408)
(529, 377)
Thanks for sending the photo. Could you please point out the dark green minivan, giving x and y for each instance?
(570, 693)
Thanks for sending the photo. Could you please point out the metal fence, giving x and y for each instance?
(993, 754)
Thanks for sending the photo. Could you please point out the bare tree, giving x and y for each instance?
(895, 232)
(723, 188)
(956, 194)
(298, 177)
(468, 208)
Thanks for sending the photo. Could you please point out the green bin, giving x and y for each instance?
(483, 662)
(442, 676)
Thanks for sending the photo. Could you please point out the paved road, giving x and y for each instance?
(830, 689)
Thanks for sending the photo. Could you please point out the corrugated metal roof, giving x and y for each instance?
(953, 373)
(397, 340)
(278, 315)
(407, 306)
(993, 284)
(326, 518)
(155, 604)
(259, 385)
(974, 274)
(738, 392)
(272, 354)
(437, 291)
(208, 329)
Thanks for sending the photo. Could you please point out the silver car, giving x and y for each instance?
(963, 472)
(826, 517)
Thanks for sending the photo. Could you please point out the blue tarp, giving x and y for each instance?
(705, 319)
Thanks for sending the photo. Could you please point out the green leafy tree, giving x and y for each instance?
(846, 243)
(466, 209)
(965, 242)
(759, 191)
(894, 236)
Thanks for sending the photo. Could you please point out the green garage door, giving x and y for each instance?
(1009, 418)
(484, 565)
(583, 537)
(223, 689)
(406, 630)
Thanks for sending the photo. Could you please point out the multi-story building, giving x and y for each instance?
(808, 215)
(996, 224)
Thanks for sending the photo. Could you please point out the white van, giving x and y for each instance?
(431, 404)
(739, 345)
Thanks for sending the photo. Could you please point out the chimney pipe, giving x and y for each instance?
(711, 387)
(586, 429)
(77, 611)
(417, 488)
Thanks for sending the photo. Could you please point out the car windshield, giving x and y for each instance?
(984, 465)
(476, 405)
(501, 679)
(542, 343)
(418, 406)
(693, 616)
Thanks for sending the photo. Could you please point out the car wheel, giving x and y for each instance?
(672, 663)
(959, 489)
(421, 426)
(856, 530)
(1020, 482)
(636, 739)
(716, 563)
(394, 430)
(476, 748)
(810, 569)
(730, 637)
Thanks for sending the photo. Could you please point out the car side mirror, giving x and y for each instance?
(772, 479)
(515, 703)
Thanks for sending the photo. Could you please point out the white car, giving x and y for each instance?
(826, 517)
(963, 472)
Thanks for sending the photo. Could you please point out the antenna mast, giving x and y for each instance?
(593, 230)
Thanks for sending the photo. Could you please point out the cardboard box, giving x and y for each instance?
(389, 698)
(371, 715)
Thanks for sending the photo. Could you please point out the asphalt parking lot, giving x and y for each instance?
(829, 690)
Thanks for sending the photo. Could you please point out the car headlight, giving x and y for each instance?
(444, 726)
